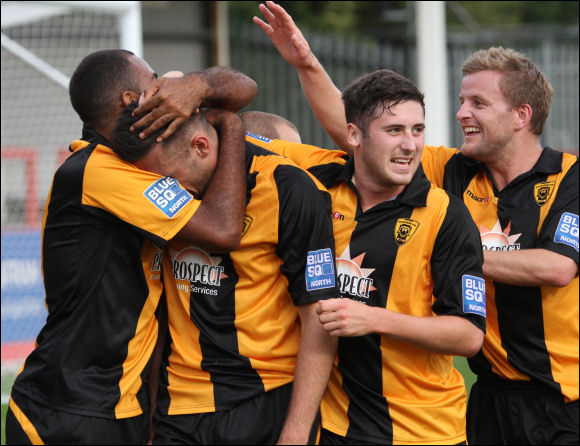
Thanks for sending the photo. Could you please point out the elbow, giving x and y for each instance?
(253, 90)
(247, 94)
(227, 242)
(473, 343)
(562, 274)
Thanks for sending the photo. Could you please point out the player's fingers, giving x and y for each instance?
(335, 333)
(267, 13)
(148, 118)
(318, 308)
(264, 26)
(329, 327)
(327, 317)
(281, 15)
(171, 128)
(156, 125)
(149, 103)
(329, 304)
(143, 122)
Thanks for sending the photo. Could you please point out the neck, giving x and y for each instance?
(372, 194)
(516, 159)
(105, 129)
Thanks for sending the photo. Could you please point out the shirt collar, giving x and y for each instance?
(549, 162)
(414, 194)
(94, 137)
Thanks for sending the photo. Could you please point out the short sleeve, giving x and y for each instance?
(434, 160)
(456, 264)
(559, 232)
(305, 237)
(156, 206)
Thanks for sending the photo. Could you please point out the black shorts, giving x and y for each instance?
(31, 423)
(506, 412)
(257, 421)
(328, 437)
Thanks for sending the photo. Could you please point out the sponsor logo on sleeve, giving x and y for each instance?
(261, 138)
(473, 291)
(567, 230)
(168, 196)
(319, 270)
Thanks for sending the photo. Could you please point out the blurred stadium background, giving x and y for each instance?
(42, 43)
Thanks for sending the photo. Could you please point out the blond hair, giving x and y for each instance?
(521, 82)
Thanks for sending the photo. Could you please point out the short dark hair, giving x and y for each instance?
(369, 96)
(129, 147)
(98, 81)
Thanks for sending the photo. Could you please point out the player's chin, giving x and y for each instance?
(404, 176)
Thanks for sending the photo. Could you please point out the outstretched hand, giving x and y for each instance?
(285, 35)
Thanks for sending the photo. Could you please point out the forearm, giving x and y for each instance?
(449, 335)
(325, 100)
(529, 267)
(313, 366)
(227, 89)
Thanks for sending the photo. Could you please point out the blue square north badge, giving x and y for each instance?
(320, 270)
(168, 196)
(473, 291)
(567, 230)
(258, 137)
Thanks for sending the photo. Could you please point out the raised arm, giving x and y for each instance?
(173, 99)
(323, 96)
(217, 223)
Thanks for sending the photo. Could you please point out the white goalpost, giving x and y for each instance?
(42, 43)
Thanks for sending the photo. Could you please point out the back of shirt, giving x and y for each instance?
(103, 230)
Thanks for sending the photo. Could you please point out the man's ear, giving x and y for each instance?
(200, 144)
(523, 116)
(129, 96)
(353, 134)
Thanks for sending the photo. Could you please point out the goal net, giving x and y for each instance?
(42, 43)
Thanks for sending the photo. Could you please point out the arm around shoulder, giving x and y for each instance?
(529, 267)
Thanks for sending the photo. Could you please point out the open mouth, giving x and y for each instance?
(401, 163)
(471, 131)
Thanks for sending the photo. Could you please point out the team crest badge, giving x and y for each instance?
(543, 192)
(404, 230)
(247, 223)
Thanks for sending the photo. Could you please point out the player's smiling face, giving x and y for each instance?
(391, 151)
(484, 116)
